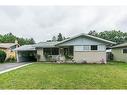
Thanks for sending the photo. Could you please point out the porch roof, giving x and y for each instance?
(45, 44)
(25, 48)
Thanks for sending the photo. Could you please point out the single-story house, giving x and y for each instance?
(8, 48)
(120, 52)
(80, 48)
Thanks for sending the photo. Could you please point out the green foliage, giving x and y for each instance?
(115, 36)
(10, 38)
(93, 33)
(2, 56)
(26, 41)
(11, 59)
(60, 37)
(53, 38)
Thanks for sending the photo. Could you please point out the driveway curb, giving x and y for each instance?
(14, 68)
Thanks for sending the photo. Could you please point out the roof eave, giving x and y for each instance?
(100, 39)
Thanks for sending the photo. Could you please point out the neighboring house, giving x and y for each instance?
(8, 48)
(78, 48)
(120, 52)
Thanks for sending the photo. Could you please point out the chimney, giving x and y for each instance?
(16, 42)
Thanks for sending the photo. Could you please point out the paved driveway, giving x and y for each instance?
(6, 66)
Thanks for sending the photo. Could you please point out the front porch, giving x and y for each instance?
(56, 54)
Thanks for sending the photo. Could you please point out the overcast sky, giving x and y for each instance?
(42, 22)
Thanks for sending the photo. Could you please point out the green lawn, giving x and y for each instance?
(66, 76)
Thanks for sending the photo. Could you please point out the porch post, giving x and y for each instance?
(61, 51)
(40, 53)
(17, 56)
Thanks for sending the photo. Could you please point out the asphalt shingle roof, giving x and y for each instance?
(120, 45)
(25, 48)
(7, 45)
(46, 44)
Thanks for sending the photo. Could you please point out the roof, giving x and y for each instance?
(120, 45)
(7, 45)
(46, 44)
(54, 44)
(25, 48)
(89, 36)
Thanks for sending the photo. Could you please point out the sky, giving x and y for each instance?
(44, 22)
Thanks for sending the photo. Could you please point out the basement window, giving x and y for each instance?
(93, 47)
(125, 50)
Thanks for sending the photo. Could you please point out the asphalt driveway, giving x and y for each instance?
(6, 66)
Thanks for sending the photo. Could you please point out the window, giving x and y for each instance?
(93, 47)
(51, 51)
(55, 51)
(47, 51)
(125, 50)
(86, 48)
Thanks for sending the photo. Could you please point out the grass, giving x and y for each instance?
(67, 76)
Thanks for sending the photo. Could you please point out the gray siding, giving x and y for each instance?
(82, 41)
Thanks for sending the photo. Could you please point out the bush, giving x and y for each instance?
(2, 56)
(10, 59)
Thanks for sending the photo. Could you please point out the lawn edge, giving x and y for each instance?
(14, 68)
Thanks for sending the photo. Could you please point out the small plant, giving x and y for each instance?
(2, 56)
(10, 59)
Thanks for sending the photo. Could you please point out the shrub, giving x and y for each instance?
(10, 59)
(2, 56)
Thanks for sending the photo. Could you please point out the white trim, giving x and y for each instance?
(14, 68)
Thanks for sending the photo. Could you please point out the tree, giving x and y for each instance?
(60, 38)
(10, 38)
(53, 38)
(49, 41)
(93, 33)
(31, 41)
(2, 56)
(113, 35)
(64, 38)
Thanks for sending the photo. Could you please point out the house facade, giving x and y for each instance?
(80, 48)
(120, 52)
